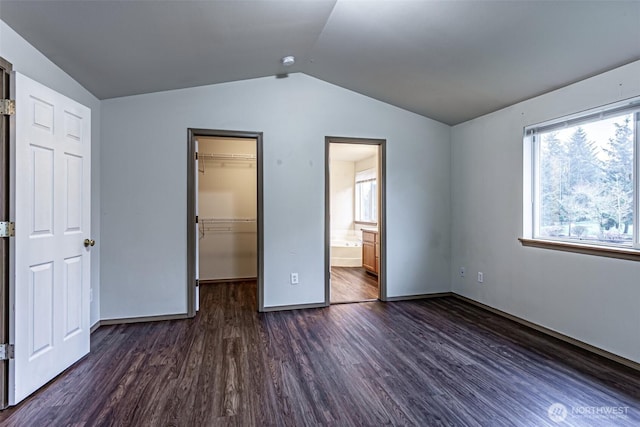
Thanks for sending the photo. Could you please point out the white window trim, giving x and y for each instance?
(366, 175)
(530, 208)
(360, 177)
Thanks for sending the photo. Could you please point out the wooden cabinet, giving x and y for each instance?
(370, 251)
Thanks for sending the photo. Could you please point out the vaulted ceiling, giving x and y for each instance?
(447, 60)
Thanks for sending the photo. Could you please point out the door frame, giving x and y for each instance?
(193, 133)
(5, 181)
(382, 219)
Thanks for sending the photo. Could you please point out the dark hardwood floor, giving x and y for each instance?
(352, 284)
(422, 362)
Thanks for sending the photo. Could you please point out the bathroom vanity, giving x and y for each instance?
(370, 251)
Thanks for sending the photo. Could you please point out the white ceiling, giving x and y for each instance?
(447, 60)
(351, 152)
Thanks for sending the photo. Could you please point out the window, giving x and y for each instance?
(366, 196)
(584, 180)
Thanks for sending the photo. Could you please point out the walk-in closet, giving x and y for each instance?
(227, 209)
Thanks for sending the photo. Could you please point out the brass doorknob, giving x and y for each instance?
(89, 242)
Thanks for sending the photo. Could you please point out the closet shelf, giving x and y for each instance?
(226, 225)
(224, 220)
(227, 157)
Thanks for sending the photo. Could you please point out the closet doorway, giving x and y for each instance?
(354, 220)
(225, 211)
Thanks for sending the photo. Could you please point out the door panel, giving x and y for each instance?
(41, 181)
(41, 310)
(51, 198)
(73, 181)
(72, 296)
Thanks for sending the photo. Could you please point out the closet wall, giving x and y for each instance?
(227, 208)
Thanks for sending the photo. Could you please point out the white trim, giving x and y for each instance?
(366, 175)
(531, 169)
(586, 116)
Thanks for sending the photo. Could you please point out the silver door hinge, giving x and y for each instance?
(7, 229)
(7, 107)
(6, 351)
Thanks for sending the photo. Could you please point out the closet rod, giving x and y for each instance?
(224, 220)
(230, 156)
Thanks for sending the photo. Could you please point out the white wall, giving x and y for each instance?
(144, 188)
(592, 299)
(30, 62)
(227, 189)
(342, 182)
(368, 163)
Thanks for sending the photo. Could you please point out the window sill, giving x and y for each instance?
(583, 248)
(365, 223)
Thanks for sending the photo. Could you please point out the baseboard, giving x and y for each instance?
(419, 296)
(234, 280)
(583, 345)
(124, 320)
(293, 307)
(94, 327)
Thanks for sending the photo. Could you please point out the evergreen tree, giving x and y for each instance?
(619, 176)
(584, 172)
(584, 166)
(552, 157)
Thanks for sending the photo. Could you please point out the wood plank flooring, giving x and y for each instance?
(423, 362)
(352, 284)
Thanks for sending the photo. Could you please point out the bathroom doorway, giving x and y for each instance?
(224, 210)
(354, 220)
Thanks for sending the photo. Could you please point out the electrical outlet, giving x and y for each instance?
(294, 279)
(462, 271)
(480, 277)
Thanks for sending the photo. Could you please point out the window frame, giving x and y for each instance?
(374, 203)
(531, 183)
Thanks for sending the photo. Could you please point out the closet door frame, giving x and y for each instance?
(6, 128)
(193, 134)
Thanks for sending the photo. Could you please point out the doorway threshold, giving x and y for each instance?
(355, 301)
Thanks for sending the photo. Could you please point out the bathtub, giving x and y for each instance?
(346, 252)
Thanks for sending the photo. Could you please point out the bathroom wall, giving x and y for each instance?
(368, 163)
(363, 165)
(227, 190)
(342, 181)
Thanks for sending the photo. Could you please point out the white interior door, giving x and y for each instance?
(197, 231)
(50, 281)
